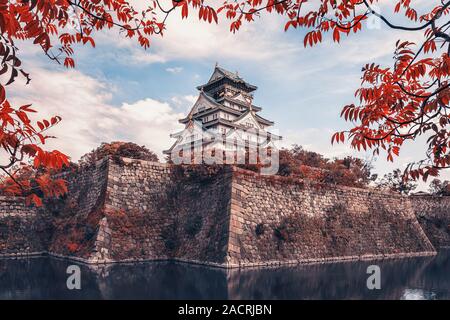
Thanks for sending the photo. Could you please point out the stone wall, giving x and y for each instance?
(282, 220)
(433, 214)
(132, 210)
(24, 230)
(157, 211)
(76, 218)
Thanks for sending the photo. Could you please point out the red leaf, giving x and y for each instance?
(184, 10)
(40, 125)
(33, 199)
(69, 62)
(336, 35)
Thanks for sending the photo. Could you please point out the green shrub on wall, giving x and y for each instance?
(280, 233)
(170, 238)
(259, 229)
(288, 228)
(194, 224)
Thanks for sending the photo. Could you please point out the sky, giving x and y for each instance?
(121, 92)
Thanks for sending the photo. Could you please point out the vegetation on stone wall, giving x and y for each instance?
(260, 229)
(193, 225)
(298, 162)
(432, 212)
(287, 230)
(170, 237)
(197, 173)
(18, 234)
(195, 203)
(117, 149)
(76, 234)
(396, 181)
(440, 188)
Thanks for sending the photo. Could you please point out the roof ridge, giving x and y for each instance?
(230, 73)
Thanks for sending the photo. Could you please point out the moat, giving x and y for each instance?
(45, 278)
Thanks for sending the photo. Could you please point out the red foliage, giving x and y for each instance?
(309, 165)
(397, 103)
(68, 22)
(20, 139)
(119, 149)
(72, 247)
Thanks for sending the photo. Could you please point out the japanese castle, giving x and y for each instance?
(223, 118)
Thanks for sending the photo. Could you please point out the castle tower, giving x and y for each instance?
(224, 112)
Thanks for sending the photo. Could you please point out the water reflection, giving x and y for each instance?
(45, 278)
(418, 294)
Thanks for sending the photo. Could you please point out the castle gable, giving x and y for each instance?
(249, 120)
(241, 98)
(202, 104)
(217, 74)
(193, 131)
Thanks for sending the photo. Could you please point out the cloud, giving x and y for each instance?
(183, 103)
(191, 39)
(89, 118)
(174, 70)
(318, 140)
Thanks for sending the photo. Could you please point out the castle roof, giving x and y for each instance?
(214, 106)
(231, 99)
(257, 117)
(232, 124)
(222, 74)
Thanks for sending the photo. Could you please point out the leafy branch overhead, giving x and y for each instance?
(21, 141)
(395, 103)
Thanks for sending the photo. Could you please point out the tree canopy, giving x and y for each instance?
(440, 188)
(395, 181)
(349, 171)
(118, 149)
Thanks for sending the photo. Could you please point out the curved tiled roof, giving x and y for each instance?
(258, 118)
(217, 106)
(223, 73)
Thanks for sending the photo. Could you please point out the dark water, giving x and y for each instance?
(45, 278)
